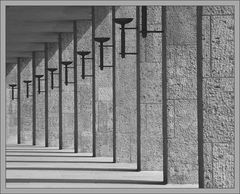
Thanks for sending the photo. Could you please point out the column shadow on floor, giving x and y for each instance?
(41, 152)
(8, 155)
(75, 169)
(45, 161)
(108, 181)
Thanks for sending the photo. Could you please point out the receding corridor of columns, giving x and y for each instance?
(120, 97)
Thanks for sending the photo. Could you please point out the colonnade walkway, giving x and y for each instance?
(40, 167)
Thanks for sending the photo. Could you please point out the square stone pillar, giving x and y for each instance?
(53, 132)
(218, 96)
(11, 105)
(26, 103)
(182, 94)
(40, 101)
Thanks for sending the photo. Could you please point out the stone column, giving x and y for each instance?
(53, 132)
(11, 106)
(26, 103)
(218, 96)
(40, 101)
(84, 36)
(182, 95)
(151, 93)
(126, 126)
(104, 136)
(68, 92)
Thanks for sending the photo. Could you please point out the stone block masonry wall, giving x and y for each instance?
(40, 101)
(67, 92)
(11, 108)
(126, 125)
(218, 95)
(104, 125)
(26, 103)
(151, 93)
(84, 36)
(182, 94)
(53, 108)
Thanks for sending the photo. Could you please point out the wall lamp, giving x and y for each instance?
(145, 31)
(101, 40)
(13, 87)
(123, 22)
(52, 70)
(39, 82)
(83, 54)
(66, 65)
(27, 82)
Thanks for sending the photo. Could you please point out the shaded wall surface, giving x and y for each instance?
(26, 103)
(104, 125)
(181, 47)
(40, 101)
(11, 108)
(53, 95)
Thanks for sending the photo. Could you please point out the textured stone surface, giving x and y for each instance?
(104, 144)
(53, 95)
(85, 117)
(104, 117)
(181, 88)
(104, 141)
(186, 121)
(182, 162)
(126, 89)
(218, 110)
(218, 97)
(181, 62)
(154, 14)
(40, 101)
(218, 10)
(85, 142)
(206, 45)
(208, 167)
(223, 46)
(53, 135)
(26, 103)
(123, 150)
(152, 147)
(151, 136)
(68, 130)
(68, 102)
(171, 118)
(181, 25)
(151, 82)
(151, 93)
(154, 47)
(11, 107)
(154, 120)
(223, 165)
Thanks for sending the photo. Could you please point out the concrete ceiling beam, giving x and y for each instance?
(15, 27)
(11, 60)
(12, 54)
(32, 37)
(25, 47)
(48, 13)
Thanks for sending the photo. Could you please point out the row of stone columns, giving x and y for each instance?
(167, 101)
(75, 75)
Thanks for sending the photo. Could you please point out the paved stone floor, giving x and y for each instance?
(40, 167)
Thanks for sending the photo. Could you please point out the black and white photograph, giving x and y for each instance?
(119, 96)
